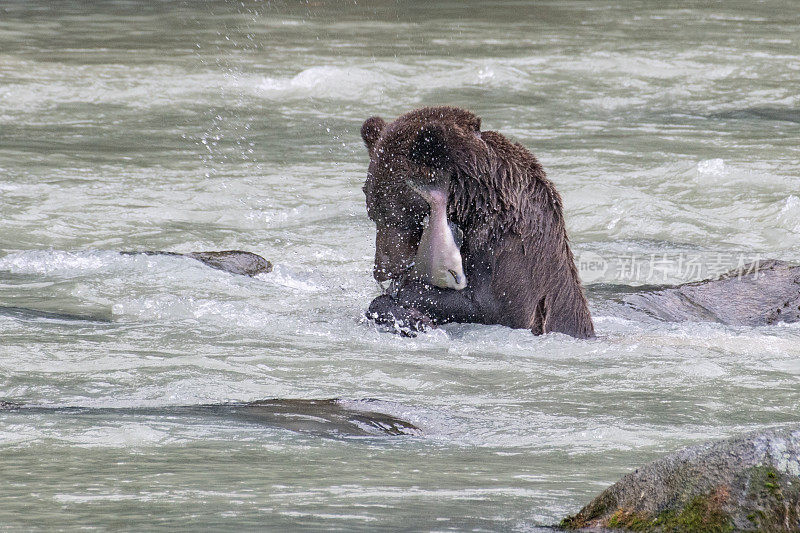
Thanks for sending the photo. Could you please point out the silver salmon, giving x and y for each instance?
(438, 259)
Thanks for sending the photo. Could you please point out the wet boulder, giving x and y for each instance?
(234, 261)
(759, 294)
(746, 483)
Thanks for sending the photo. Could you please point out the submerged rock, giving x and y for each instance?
(333, 417)
(746, 483)
(328, 418)
(232, 261)
(26, 313)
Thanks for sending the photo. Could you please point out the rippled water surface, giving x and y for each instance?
(208, 126)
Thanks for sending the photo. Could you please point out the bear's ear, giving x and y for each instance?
(371, 131)
(430, 147)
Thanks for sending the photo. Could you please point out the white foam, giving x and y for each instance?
(346, 83)
(711, 167)
(292, 278)
(789, 215)
(50, 262)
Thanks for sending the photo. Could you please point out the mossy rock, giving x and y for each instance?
(747, 483)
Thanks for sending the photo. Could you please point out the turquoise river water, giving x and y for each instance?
(672, 130)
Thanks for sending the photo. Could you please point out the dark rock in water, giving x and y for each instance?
(232, 261)
(332, 418)
(317, 416)
(757, 295)
(747, 483)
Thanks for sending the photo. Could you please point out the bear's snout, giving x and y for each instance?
(394, 252)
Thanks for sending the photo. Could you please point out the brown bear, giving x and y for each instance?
(516, 255)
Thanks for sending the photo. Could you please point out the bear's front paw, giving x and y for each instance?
(415, 321)
(406, 321)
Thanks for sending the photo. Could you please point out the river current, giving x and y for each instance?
(671, 129)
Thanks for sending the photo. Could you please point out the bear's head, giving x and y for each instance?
(425, 147)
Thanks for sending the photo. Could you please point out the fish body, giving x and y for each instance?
(438, 258)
